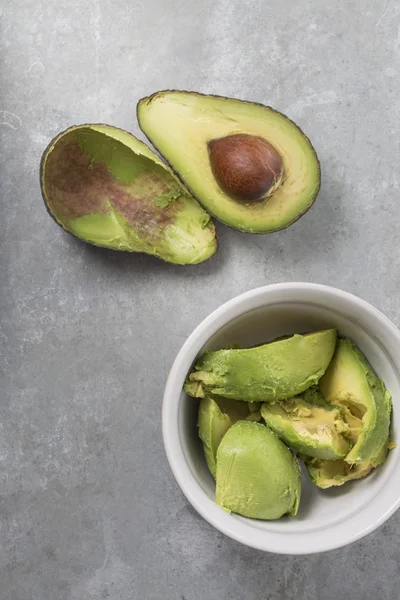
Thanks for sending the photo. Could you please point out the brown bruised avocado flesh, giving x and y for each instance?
(108, 188)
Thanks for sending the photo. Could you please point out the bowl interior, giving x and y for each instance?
(319, 509)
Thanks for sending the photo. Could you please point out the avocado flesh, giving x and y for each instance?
(266, 373)
(317, 430)
(333, 473)
(350, 382)
(212, 424)
(109, 189)
(180, 124)
(257, 475)
(216, 416)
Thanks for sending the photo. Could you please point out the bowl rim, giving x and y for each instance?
(366, 521)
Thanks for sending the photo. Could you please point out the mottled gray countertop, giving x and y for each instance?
(88, 506)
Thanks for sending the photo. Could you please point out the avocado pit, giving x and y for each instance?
(246, 167)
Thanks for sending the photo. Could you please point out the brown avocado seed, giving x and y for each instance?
(246, 167)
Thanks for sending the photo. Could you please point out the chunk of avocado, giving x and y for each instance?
(254, 411)
(257, 475)
(332, 473)
(270, 372)
(213, 423)
(107, 188)
(310, 425)
(206, 138)
(216, 416)
(351, 382)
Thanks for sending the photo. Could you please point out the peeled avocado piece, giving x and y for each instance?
(332, 473)
(212, 424)
(215, 418)
(350, 382)
(257, 475)
(266, 373)
(184, 125)
(254, 411)
(310, 425)
(107, 188)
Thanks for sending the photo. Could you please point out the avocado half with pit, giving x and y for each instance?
(107, 188)
(249, 165)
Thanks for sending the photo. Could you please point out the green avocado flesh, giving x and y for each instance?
(333, 473)
(215, 418)
(109, 189)
(313, 427)
(350, 382)
(315, 393)
(257, 475)
(266, 373)
(180, 125)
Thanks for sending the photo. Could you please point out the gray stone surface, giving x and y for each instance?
(88, 506)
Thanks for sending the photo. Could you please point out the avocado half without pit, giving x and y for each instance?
(248, 164)
(107, 188)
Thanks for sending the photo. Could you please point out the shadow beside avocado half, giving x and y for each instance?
(244, 163)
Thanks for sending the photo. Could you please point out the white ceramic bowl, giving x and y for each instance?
(327, 519)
